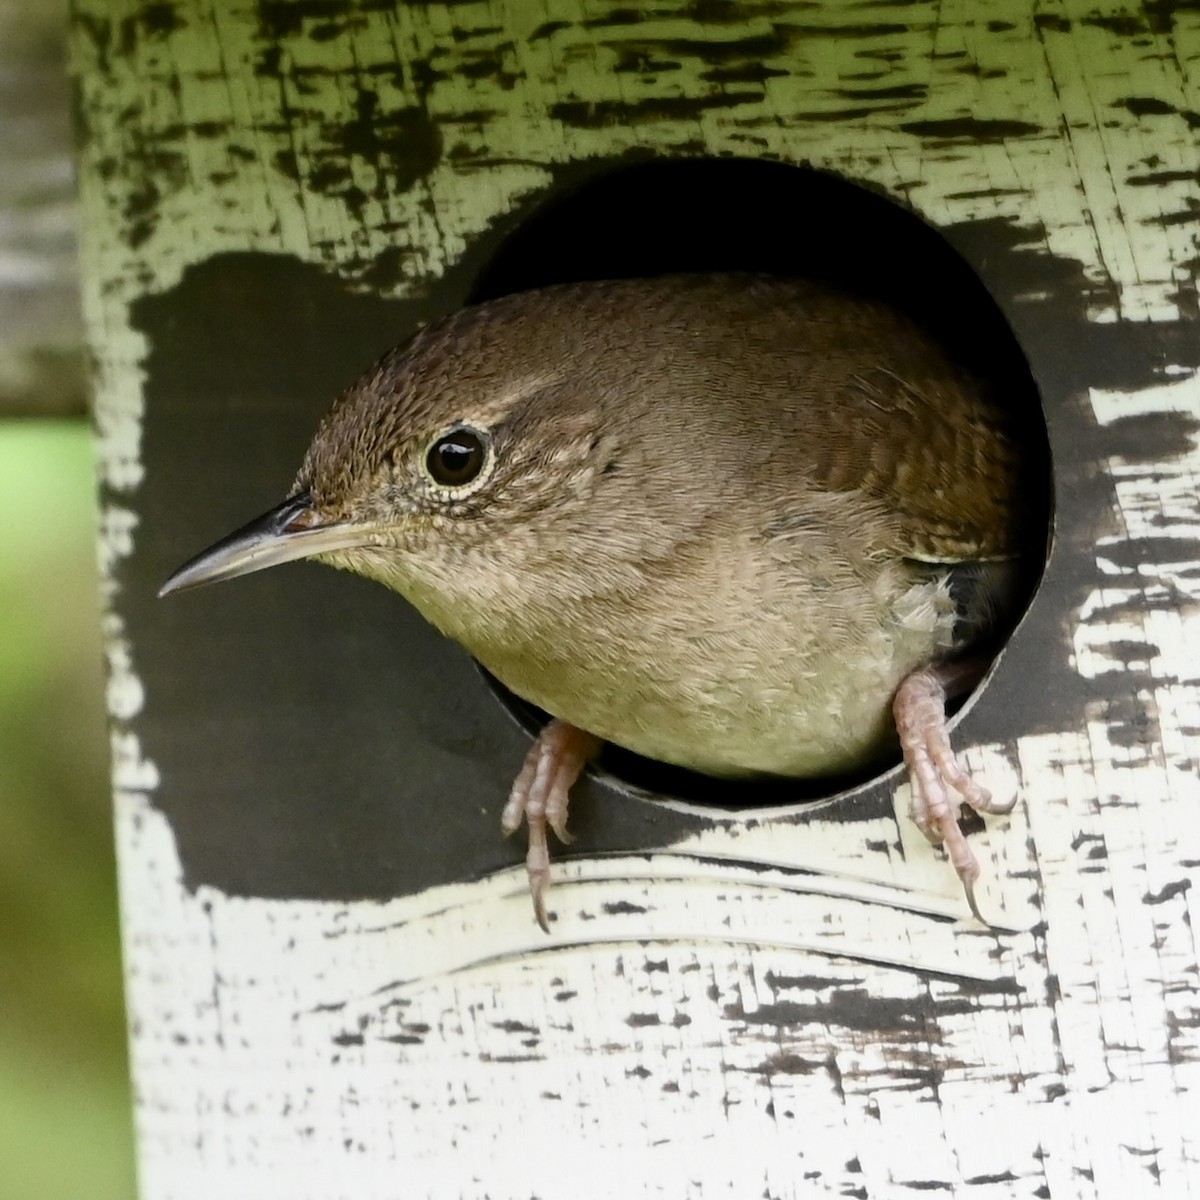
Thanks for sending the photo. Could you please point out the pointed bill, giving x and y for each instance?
(275, 537)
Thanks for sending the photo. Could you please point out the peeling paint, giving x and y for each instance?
(796, 984)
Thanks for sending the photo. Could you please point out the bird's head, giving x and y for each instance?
(461, 459)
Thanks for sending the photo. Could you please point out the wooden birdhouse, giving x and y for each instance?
(336, 987)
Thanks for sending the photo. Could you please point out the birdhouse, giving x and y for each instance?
(335, 983)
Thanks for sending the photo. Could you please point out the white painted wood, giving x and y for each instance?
(828, 1025)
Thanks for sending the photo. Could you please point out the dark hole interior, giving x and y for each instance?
(652, 218)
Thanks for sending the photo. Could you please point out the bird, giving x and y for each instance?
(746, 525)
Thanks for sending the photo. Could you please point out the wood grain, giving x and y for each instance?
(782, 1003)
(41, 333)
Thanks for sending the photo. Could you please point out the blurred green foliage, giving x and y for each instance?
(65, 1126)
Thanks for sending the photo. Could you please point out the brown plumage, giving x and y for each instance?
(724, 521)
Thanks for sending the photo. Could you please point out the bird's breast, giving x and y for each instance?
(793, 685)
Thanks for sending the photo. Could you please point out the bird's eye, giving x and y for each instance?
(456, 458)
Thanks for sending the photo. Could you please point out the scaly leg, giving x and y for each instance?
(920, 711)
(539, 798)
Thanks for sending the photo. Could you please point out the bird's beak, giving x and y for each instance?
(281, 535)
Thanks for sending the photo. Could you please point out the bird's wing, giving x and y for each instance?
(937, 454)
(857, 398)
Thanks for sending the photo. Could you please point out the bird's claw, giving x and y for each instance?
(539, 797)
(933, 770)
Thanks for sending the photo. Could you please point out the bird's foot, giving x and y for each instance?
(539, 798)
(934, 771)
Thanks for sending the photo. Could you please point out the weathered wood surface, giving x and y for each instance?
(782, 1003)
(41, 335)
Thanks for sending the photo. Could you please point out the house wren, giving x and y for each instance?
(744, 525)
